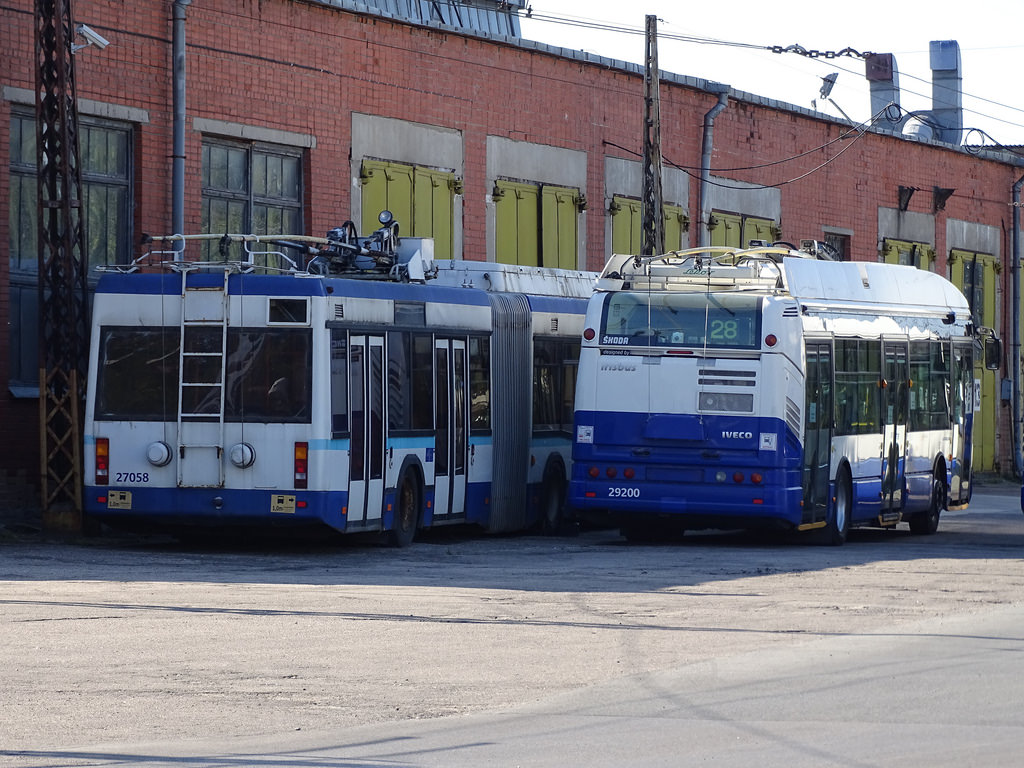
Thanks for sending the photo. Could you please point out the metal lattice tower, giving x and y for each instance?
(653, 226)
(62, 288)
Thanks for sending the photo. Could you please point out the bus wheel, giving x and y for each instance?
(407, 511)
(838, 527)
(552, 503)
(927, 522)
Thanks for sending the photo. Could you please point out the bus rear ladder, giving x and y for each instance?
(201, 381)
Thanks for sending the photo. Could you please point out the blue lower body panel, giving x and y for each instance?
(710, 472)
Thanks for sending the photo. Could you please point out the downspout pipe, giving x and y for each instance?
(178, 103)
(707, 147)
(1014, 362)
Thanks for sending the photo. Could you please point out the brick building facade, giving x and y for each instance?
(305, 114)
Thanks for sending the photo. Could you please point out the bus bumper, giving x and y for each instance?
(699, 506)
(214, 506)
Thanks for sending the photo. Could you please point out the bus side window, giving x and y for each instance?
(421, 409)
(479, 383)
(545, 383)
(339, 382)
(399, 381)
(570, 364)
(857, 374)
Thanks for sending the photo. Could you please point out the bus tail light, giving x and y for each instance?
(102, 461)
(737, 477)
(756, 478)
(301, 465)
(629, 473)
(611, 472)
(594, 472)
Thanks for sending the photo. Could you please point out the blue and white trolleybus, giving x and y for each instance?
(773, 387)
(366, 388)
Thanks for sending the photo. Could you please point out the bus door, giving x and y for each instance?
(450, 428)
(895, 410)
(817, 457)
(962, 397)
(366, 419)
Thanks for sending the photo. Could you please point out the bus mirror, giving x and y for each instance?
(993, 353)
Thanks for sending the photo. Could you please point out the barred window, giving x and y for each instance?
(251, 188)
(106, 161)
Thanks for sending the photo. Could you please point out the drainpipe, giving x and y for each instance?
(708, 144)
(1014, 365)
(178, 154)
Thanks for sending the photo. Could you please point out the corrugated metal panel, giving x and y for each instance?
(510, 377)
(490, 17)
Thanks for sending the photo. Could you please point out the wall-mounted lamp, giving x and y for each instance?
(91, 36)
(827, 84)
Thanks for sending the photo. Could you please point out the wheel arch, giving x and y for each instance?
(555, 479)
(412, 464)
(941, 469)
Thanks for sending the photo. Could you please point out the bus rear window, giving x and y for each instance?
(268, 374)
(677, 319)
(137, 375)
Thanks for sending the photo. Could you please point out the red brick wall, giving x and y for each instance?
(303, 67)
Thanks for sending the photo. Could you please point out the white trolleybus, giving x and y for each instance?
(362, 386)
(773, 387)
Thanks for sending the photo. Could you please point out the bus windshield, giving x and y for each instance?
(682, 319)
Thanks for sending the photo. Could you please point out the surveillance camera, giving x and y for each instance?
(92, 36)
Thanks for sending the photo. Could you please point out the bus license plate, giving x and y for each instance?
(119, 499)
(282, 504)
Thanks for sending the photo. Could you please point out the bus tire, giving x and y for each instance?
(926, 523)
(838, 527)
(408, 497)
(552, 502)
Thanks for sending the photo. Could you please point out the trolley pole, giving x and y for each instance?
(652, 209)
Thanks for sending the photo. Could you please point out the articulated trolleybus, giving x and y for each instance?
(362, 386)
(773, 387)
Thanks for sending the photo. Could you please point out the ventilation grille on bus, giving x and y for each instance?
(793, 416)
(791, 311)
(725, 378)
(554, 325)
(339, 311)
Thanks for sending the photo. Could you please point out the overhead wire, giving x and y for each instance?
(912, 92)
(796, 49)
(860, 130)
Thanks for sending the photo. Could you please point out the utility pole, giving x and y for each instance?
(62, 328)
(652, 209)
